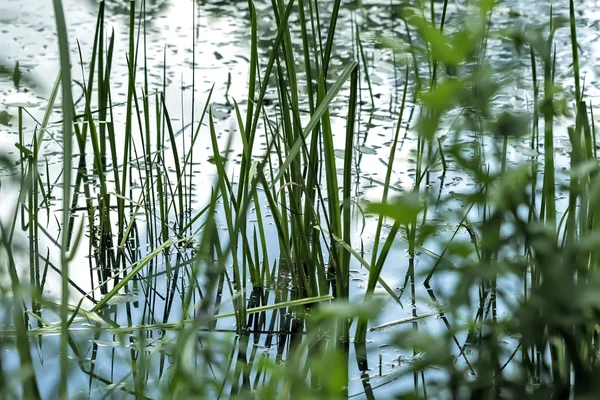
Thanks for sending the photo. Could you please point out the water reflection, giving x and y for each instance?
(222, 29)
(152, 7)
(363, 366)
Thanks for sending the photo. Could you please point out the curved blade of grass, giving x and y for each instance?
(48, 112)
(29, 387)
(347, 178)
(67, 109)
(180, 324)
(286, 304)
(401, 321)
(263, 90)
(388, 173)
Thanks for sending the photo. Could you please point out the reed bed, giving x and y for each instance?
(250, 294)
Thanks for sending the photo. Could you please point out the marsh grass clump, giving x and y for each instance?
(471, 273)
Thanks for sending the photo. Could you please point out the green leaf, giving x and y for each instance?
(16, 75)
(404, 209)
(512, 188)
(445, 95)
(370, 309)
(5, 118)
(486, 6)
(442, 49)
(24, 150)
(512, 124)
(584, 169)
(366, 150)
(212, 160)
(462, 249)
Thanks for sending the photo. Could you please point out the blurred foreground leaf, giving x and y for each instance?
(404, 209)
(5, 118)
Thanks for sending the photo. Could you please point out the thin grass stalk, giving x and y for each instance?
(388, 174)
(29, 385)
(265, 277)
(33, 210)
(253, 66)
(331, 177)
(593, 131)
(574, 49)
(289, 57)
(306, 54)
(224, 188)
(417, 79)
(67, 110)
(131, 74)
(263, 89)
(323, 105)
(347, 177)
(574, 188)
(160, 129)
(364, 63)
(335, 259)
(315, 20)
(176, 160)
(344, 283)
(302, 266)
(330, 36)
(548, 190)
(146, 138)
(312, 174)
(442, 22)
(294, 188)
(89, 86)
(195, 27)
(378, 259)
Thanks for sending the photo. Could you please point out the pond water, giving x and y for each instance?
(221, 59)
